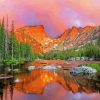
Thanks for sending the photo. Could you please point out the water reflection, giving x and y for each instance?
(37, 80)
(54, 92)
(50, 85)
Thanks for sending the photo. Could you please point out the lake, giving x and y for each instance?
(40, 84)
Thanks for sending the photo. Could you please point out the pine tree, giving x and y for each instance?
(13, 45)
(2, 53)
(6, 38)
(11, 42)
(10, 48)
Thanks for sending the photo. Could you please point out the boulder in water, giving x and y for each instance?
(85, 70)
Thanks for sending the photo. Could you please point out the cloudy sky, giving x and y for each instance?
(55, 15)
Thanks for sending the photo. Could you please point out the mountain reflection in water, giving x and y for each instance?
(37, 80)
(51, 85)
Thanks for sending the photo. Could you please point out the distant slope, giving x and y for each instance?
(77, 37)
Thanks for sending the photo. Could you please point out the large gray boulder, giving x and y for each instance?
(83, 70)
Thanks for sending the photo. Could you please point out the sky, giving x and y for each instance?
(55, 15)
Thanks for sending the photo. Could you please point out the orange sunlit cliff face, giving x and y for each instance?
(74, 32)
(32, 35)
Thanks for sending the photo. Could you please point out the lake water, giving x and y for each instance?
(49, 85)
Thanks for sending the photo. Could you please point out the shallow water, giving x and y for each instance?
(53, 92)
(50, 85)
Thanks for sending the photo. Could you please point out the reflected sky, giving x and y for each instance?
(49, 85)
(54, 92)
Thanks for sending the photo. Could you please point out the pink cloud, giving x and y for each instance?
(55, 15)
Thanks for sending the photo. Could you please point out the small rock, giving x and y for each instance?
(31, 68)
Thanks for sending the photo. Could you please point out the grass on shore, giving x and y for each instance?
(95, 66)
(13, 62)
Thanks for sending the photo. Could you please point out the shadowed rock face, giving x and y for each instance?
(37, 37)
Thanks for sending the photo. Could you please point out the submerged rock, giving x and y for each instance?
(16, 70)
(84, 70)
(50, 67)
(31, 68)
(17, 80)
(8, 69)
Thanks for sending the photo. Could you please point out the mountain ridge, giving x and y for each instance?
(41, 42)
